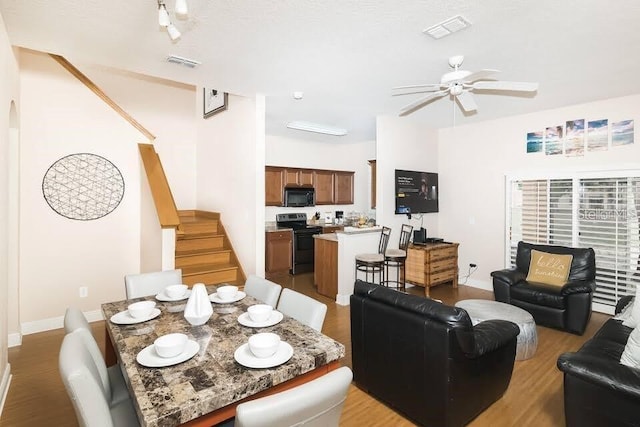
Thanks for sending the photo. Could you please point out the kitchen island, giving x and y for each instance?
(335, 257)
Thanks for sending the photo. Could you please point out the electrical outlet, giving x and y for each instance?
(83, 291)
(472, 265)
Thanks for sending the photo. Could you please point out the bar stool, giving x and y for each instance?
(395, 258)
(374, 263)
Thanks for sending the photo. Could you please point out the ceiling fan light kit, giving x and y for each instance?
(459, 84)
(317, 128)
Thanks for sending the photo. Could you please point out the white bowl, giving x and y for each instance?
(260, 312)
(141, 309)
(264, 344)
(227, 293)
(176, 291)
(170, 345)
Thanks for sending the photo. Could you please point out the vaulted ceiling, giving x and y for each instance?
(345, 55)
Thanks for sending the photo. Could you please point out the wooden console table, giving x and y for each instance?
(432, 264)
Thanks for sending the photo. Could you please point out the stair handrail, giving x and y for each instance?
(160, 190)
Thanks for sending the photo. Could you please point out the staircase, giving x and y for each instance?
(204, 252)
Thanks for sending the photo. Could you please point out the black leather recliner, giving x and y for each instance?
(567, 307)
(425, 359)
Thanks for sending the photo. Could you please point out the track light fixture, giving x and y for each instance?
(165, 21)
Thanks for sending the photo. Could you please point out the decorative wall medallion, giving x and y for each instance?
(83, 186)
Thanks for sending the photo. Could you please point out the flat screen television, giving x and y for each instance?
(416, 192)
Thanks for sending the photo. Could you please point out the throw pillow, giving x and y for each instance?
(625, 313)
(550, 269)
(634, 319)
(631, 354)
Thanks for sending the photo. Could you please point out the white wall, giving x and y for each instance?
(281, 151)
(9, 93)
(408, 145)
(60, 116)
(165, 108)
(229, 180)
(474, 159)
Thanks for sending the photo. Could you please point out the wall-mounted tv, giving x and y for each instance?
(416, 192)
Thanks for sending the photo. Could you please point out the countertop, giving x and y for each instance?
(274, 228)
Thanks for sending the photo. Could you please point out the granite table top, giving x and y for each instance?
(212, 379)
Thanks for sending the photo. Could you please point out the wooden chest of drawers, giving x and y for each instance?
(432, 265)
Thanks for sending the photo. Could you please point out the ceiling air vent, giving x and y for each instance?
(175, 59)
(447, 27)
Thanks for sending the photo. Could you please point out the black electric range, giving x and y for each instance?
(303, 244)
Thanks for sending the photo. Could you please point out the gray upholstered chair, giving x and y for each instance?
(145, 284)
(111, 378)
(83, 384)
(316, 403)
(263, 290)
(302, 308)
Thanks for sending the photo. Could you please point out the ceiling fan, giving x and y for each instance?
(459, 84)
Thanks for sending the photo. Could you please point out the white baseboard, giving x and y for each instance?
(480, 284)
(55, 323)
(4, 386)
(15, 339)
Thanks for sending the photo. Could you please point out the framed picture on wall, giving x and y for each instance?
(214, 102)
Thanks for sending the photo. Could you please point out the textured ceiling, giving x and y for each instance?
(345, 55)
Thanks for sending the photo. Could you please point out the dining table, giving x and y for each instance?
(205, 389)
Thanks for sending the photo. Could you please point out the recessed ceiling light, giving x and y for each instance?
(317, 128)
(298, 95)
(448, 26)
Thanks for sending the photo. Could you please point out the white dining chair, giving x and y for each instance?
(111, 377)
(302, 308)
(82, 382)
(317, 403)
(263, 290)
(145, 284)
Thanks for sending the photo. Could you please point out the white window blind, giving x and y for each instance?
(600, 212)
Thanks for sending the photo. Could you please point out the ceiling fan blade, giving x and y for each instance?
(502, 85)
(426, 87)
(479, 75)
(466, 101)
(410, 108)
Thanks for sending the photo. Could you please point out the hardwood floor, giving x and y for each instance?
(534, 396)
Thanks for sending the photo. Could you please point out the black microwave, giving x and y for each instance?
(299, 197)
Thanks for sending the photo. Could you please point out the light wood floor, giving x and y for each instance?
(534, 397)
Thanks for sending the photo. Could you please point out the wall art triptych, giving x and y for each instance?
(574, 137)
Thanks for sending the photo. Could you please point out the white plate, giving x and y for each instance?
(244, 356)
(124, 318)
(275, 318)
(164, 297)
(149, 358)
(214, 298)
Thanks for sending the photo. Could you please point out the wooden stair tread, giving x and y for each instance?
(199, 235)
(208, 267)
(189, 252)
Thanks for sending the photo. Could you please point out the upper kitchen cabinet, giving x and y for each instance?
(343, 188)
(298, 178)
(274, 186)
(324, 187)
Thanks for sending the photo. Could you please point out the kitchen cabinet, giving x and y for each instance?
(432, 264)
(343, 188)
(278, 251)
(274, 186)
(372, 164)
(324, 187)
(332, 228)
(298, 178)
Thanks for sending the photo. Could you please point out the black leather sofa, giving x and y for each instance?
(598, 390)
(567, 307)
(425, 359)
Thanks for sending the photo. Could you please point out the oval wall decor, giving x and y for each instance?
(83, 186)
